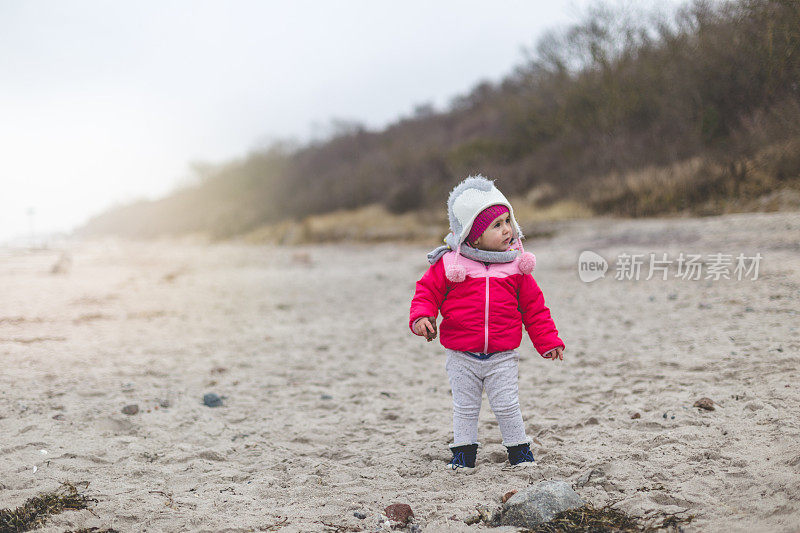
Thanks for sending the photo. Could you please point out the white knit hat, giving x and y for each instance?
(466, 201)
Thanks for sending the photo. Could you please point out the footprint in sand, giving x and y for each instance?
(115, 426)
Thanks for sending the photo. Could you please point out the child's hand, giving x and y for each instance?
(426, 327)
(557, 353)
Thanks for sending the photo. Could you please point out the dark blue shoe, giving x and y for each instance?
(521, 455)
(463, 458)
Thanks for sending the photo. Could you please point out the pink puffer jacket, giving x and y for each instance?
(485, 312)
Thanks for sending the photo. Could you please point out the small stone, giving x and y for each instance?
(538, 504)
(302, 258)
(360, 516)
(634, 416)
(212, 400)
(326, 397)
(164, 403)
(748, 309)
(211, 455)
(705, 403)
(399, 512)
(473, 519)
(414, 528)
(131, 409)
(508, 494)
(673, 296)
(63, 264)
(484, 513)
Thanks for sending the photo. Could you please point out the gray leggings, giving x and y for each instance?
(499, 375)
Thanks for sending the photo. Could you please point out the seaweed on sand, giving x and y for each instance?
(35, 511)
(588, 519)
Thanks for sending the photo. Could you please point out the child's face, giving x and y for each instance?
(497, 237)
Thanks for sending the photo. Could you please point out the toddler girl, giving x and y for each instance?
(482, 284)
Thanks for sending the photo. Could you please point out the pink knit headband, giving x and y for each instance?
(483, 220)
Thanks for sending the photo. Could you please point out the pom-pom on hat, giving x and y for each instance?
(483, 220)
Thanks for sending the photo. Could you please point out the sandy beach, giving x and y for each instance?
(332, 406)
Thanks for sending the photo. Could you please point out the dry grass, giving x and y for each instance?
(527, 211)
(768, 181)
(372, 223)
(652, 190)
(375, 224)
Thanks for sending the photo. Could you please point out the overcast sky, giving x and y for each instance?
(104, 102)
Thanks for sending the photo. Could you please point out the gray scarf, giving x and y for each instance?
(472, 253)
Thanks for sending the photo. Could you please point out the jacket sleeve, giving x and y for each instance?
(429, 294)
(536, 317)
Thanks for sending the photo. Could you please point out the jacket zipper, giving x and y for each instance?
(486, 319)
